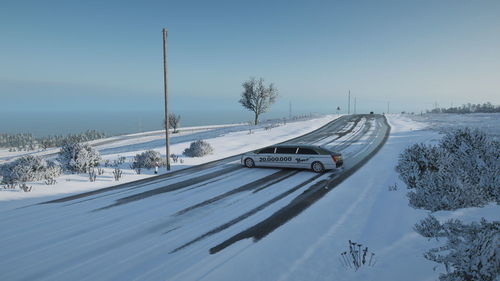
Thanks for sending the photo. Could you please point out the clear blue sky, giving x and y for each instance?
(107, 55)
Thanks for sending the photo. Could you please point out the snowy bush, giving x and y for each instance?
(78, 157)
(29, 168)
(429, 227)
(28, 142)
(11, 185)
(357, 256)
(25, 187)
(461, 171)
(471, 251)
(198, 148)
(100, 171)
(117, 174)
(50, 181)
(174, 157)
(148, 159)
(92, 175)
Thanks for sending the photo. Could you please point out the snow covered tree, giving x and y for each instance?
(147, 159)
(29, 142)
(29, 168)
(174, 122)
(258, 98)
(198, 148)
(78, 157)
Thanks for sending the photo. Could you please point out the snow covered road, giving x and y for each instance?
(178, 226)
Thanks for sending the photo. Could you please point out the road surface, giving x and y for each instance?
(162, 227)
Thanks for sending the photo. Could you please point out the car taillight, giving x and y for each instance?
(334, 158)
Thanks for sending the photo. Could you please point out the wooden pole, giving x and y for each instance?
(349, 103)
(354, 105)
(167, 138)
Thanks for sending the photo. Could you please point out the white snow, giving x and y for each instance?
(227, 140)
(361, 209)
(136, 241)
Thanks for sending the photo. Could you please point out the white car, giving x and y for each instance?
(316, 158)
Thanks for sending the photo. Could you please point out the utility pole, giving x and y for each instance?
(354, 105)
(290, 111)
(167, 139)
(349, 103)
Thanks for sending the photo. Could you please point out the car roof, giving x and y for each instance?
(301, 145)
(295, 145)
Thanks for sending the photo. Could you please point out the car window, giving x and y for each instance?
(307, 151)
(267, 150)
(286, 150)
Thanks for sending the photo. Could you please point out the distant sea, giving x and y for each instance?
(111, 123)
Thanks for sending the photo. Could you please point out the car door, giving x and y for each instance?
(265, 156)
(305, 157)
(285, 156)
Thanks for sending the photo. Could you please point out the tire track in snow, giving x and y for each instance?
(248, 214)
(171, 187)
(258, 184)
(299, 204)
(310, 250)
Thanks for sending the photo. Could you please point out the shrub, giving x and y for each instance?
(470, 252)
(50, 181)
(78, 157)
(148, 159)
(357, 256)
(198, 148)
(92, 175)
(25, 188)
(117, 174)
(174, 157)
(429, 228)
(29, 168)
(461, 171)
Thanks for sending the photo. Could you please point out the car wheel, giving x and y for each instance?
(249, 163)
(317, 167)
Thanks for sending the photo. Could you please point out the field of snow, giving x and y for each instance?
(226, 140)
(486, 122)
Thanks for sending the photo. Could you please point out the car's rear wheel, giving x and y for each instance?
(317, 167)
(249, 163)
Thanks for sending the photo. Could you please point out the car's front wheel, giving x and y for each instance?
(249, 163)
(317, 167)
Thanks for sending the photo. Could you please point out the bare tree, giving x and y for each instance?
(174, 121)
(257, 97)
